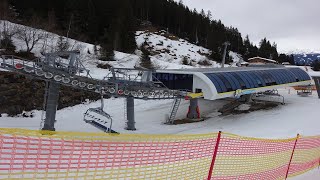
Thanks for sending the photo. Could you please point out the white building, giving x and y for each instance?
(220, 83)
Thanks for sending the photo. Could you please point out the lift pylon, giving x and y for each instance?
(66, 69)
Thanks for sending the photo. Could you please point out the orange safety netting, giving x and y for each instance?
(30, 154)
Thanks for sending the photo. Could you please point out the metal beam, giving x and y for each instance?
(317, 82)
(226, 44)
(130, 114)
(51, 107)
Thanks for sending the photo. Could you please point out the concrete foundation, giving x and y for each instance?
(194, 111)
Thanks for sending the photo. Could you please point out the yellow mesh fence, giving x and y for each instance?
(31, 154)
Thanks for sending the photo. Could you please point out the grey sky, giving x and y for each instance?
(292, 24)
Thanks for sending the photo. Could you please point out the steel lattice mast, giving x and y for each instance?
(66, 69)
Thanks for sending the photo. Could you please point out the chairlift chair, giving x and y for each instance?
(94, 116)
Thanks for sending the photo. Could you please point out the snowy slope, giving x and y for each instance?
(171, 50)
(47, 44)
(169, 55)
(306, 58)
(308, 69)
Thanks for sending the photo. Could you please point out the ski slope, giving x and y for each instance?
(299, 115)
(163, 60)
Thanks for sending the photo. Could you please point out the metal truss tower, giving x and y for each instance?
(65, 69)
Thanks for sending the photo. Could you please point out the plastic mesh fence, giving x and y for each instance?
(250, 158)
(29, 154)
(306, 156)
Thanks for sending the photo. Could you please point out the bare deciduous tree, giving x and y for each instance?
(30, 36)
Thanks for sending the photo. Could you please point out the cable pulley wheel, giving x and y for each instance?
(75, 82)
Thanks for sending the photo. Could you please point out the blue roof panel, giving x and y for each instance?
(239, 79)
(218, 80)
(231, 81)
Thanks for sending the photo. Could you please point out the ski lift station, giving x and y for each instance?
(218, 83)
(190, 84)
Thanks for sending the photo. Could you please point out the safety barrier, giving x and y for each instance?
(28, 154)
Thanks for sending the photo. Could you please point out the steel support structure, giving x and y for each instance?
(130, 114)
(317, 82)
(55, 70)
(226, 44)
(51, 106)
(194, 111)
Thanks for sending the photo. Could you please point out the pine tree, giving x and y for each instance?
(145, 60)
(216, 55)
(63, 44)
(267, 50)
(185, 60)
(209, 15)
(7, 44)
(316, 65)
(291, 60)
(106, 50)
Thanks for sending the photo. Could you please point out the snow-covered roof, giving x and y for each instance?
(227, 69)
(264, 59)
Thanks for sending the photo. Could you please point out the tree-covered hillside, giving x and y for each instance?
(112, 23)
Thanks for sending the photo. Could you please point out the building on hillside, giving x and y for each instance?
(286, 63)
(260, 60)
(244, 64)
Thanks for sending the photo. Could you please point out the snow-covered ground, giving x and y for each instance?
(311, 175)
(174, 50)
(299, 115)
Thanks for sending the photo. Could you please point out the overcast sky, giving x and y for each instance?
(292, 24)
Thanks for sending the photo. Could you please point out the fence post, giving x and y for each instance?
(294, 147)
(319, 163)
(214, 156)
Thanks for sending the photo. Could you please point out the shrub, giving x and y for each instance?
(63, 44)
(204, 63)
(185, 61)
(104, 66)
(7, 44)
(145, 60)
(26, 55)
(106, 53)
